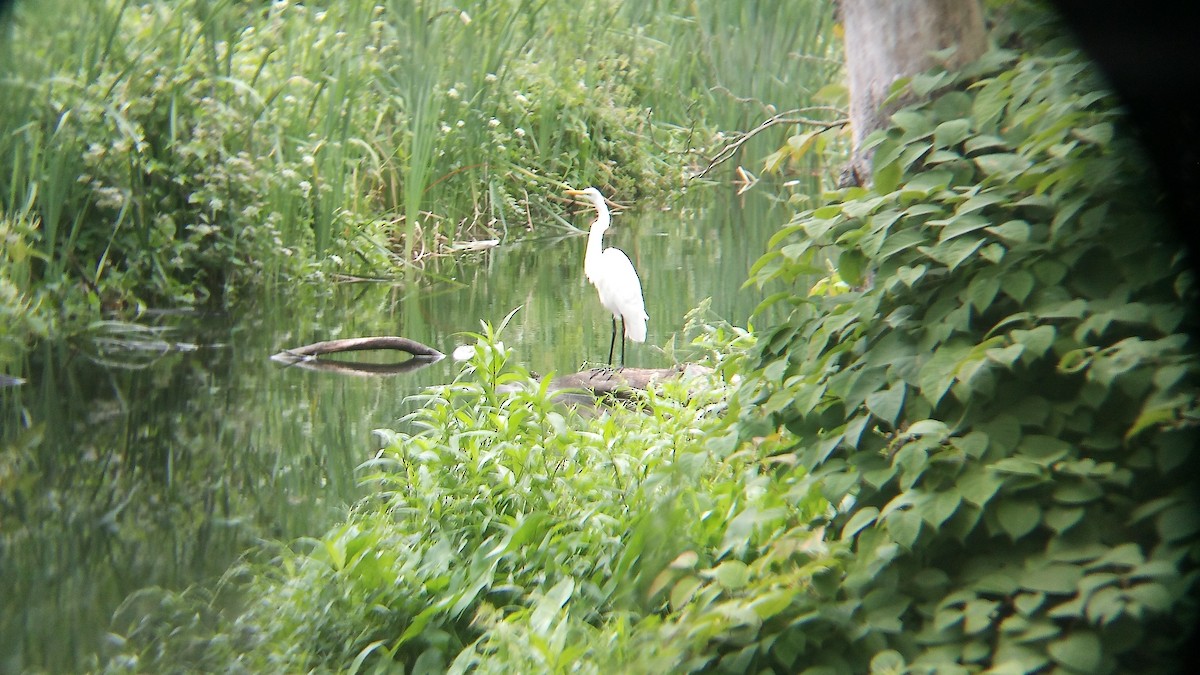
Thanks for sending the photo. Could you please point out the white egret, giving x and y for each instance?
(615, 280)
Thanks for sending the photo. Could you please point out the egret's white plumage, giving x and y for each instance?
(611, 272)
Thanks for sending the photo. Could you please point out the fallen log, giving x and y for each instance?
(361, 344)
(307, 356)
(620, 381)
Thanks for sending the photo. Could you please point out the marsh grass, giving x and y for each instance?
(167, 153)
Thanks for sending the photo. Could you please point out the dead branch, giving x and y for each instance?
(786, 117)
(309, 352)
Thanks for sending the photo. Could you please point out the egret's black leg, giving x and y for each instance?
(613, 342)
(622, 342)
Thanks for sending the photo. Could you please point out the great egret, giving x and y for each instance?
(615, 280)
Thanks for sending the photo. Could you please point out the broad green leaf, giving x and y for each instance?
(1003, 432)
(887, 177)
(928, 182)
(978, 615)
(1080, 651)
(1052, 578)
(911, 275)
(1018, 517)
(992, 253)
(850, 267)
(981, 291)
(1002, 165)
(978, 485)
(886, 404)
(683, 591)
(889, 662)
(914, 121)
(953, 253)
(951, 133)
(773, 602)
(1178, 522)
(940, 507)
(1099, 134)
(1019, 466)
(1060, 519)
(1012, 231)
(1043, 449)
(1006, 356)
(982, 200)
(732, 574)
(935, 428)
(983, 142)
(1106, 605)
(1028, 603)
(973, 444)
(1152, 416)
(862, 518)
(904, 526)
(988, 107)
(1154, 596)
(960, 225)
(900, 241)
(1079, 491)
(1035, 341)
(774, 162)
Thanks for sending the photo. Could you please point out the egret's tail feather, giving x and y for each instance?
(635, 327)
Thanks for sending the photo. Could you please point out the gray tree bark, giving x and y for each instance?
(886, 40)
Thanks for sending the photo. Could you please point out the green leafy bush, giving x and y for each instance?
(510, 531)
(987, 368)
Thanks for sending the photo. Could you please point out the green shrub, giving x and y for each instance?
(510, 530)
(987, 368)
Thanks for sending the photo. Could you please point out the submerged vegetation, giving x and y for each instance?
(968, 447)
(171, 153)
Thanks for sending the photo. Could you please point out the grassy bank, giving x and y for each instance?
(167, 154)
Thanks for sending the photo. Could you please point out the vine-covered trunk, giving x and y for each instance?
(890, 39)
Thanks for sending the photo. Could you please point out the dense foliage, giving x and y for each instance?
(169, 153)
(968, 447)
(994, 381)
(511, 532)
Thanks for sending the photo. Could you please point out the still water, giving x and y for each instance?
(132, 460)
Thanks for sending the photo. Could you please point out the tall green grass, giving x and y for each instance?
(169, 152)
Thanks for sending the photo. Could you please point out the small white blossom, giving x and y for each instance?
(493, 123)
(490, 77)
(520, 133)
(305, 187)
(453, 93)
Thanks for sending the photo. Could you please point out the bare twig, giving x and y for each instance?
(786, 117)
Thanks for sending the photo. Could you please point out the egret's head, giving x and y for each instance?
(592, 194)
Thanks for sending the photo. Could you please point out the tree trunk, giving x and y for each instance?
(890, 39)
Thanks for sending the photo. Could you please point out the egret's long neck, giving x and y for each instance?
(591, 257)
